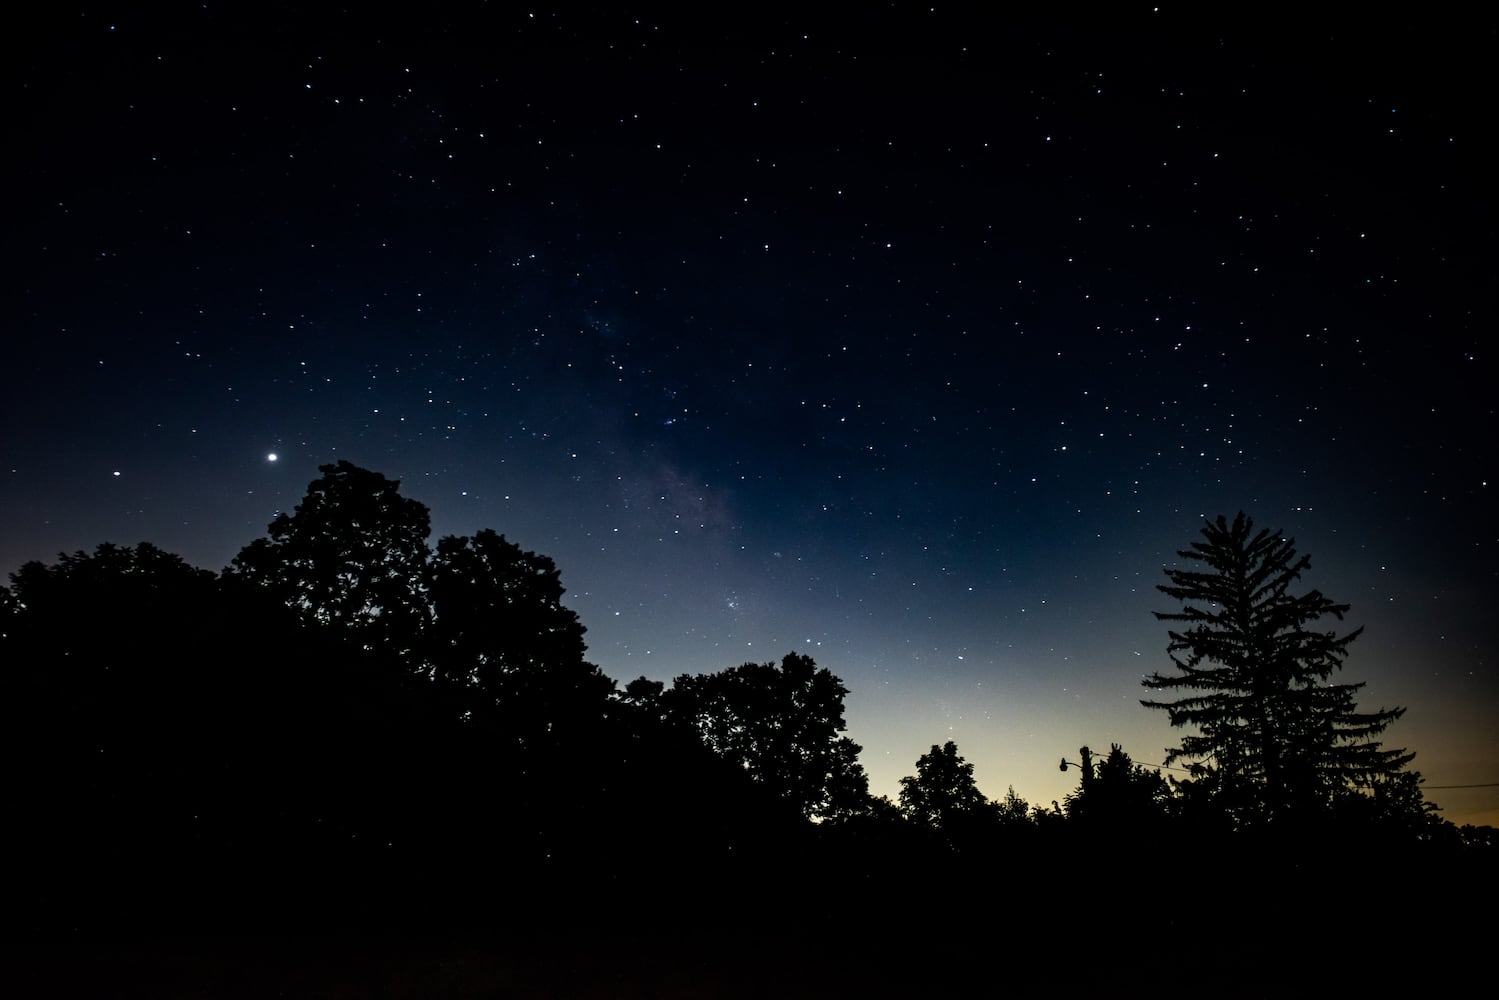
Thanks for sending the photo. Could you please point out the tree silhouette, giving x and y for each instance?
(943, 797)
(468, 651)
(136, 715)
(778, 723)
(1117, 794)
(1275, 738)
(351, 556)
(501, 638)
(1012, 811)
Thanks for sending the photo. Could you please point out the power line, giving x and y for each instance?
(1486, 784)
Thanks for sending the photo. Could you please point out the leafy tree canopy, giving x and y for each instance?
(780, 723)
(1117, 793)
(942, 795)
(353, 554)
(501, 634)
(481, 616)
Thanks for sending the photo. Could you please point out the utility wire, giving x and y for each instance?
(1486, 784)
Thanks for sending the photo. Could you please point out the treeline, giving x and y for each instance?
(348, 724)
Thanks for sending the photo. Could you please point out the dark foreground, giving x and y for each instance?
(1145, 931)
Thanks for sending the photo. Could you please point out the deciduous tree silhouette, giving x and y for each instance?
(476, 634)
(943, 797)
(1275, 737)
(778, 723)
(353, 556)
(502, 639)
(140, 718)
(1117, 794)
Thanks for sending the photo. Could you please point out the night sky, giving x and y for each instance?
(910, 339)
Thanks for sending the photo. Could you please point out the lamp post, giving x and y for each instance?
(1086, 766)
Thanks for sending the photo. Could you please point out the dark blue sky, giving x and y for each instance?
(913, 339)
